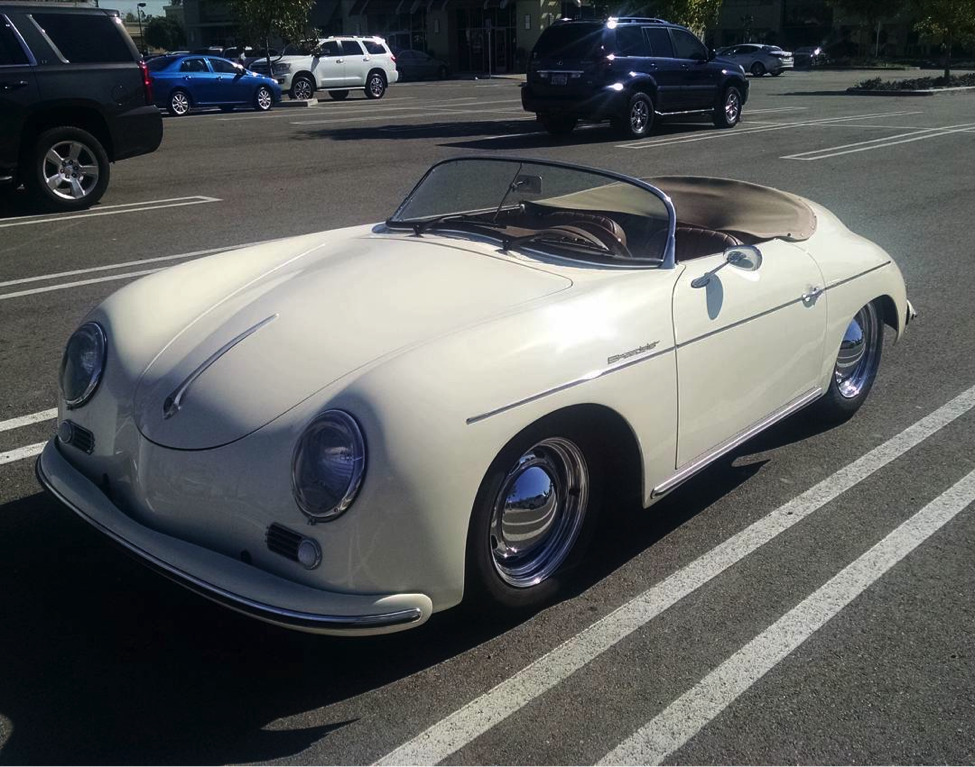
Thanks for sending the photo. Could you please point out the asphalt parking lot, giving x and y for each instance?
(808, 599)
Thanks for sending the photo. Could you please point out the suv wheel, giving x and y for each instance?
(338, 95)
(179, 103)
(375, 85)
(638, 120)
(758, 69)
(302, 88)
(727, 112)
(558, 125)
(68, 169)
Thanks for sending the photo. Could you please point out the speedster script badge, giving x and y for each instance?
(631, 353)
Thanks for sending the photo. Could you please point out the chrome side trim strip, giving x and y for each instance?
(236, 602)
(685, 112)
(695, 465)
(172, 403)
(856, 276)
(591, 376)
(48, 40)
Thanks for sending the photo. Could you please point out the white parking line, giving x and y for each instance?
(695, 709)
(881, 143)
(472, 720)
(137, 207)
(425, 113)
(21, 452)
(27, 420)
(777, 109)
(77, 284)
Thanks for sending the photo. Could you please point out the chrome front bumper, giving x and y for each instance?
(224, 580)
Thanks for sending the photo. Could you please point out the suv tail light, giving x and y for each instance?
(392, 56)
(146, 83)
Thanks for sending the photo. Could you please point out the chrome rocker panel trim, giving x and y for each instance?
(692, 467)
(295, 619)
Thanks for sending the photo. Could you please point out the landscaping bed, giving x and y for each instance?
(917, 86)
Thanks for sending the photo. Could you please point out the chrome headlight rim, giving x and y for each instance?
(358, 445)
(95, 379)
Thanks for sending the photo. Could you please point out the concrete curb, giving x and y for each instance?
(957, 91)
(297, 103)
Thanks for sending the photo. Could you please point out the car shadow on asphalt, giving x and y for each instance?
(103, 661)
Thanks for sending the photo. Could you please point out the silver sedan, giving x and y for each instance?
(759, 59)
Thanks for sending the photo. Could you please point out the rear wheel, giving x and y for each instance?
(758, 69)
(338, 95)
(727, 112)
(375, 85)
(179, 103)
(558, 125)
(638, 120)
(856, 365)
(302, 88)
(533, 516)
(69, 169)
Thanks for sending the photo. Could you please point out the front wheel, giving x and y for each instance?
(68, 171)
(533, 516)
(558, 125)
(727, 113)
(338, 95)
(375, 86)
(263, 99)
(179, 103)
(856, 365)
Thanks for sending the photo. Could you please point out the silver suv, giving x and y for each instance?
(334, 64)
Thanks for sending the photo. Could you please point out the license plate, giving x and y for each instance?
(559, 78)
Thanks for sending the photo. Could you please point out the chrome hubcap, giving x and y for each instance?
(181, 104)
(376, 85)
(70, 170)
(732, 107)
(639, 116)
(303, 89)
(856, 361)
(539, 512)
(264, 98)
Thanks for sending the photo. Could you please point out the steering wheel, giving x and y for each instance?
(586, 231)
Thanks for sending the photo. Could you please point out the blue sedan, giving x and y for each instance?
(181, 83)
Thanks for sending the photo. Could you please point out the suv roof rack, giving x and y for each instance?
(640, 19)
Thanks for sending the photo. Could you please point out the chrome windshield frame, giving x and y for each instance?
(669, 255)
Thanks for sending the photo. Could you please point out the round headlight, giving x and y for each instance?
(328, 465)
(82, 364)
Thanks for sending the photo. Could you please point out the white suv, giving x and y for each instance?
(337, 65)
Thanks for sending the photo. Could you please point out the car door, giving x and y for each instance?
(665, 69)
(195, 76)
(357, 63)
(749, 343)
(700, 82)
(229, 84)
(328, 65)
(18, 92)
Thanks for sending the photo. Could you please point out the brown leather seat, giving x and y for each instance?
(694, 242)
(580, 219)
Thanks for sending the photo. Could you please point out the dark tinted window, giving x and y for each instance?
(331, 48)
(688, 46)
(659, 40)
(373, 47)
(570, 41)
(193, 65)
(11, 53)
(224, 67)
(86, 38)
(631, 42)
(351, 48)
(160, 63)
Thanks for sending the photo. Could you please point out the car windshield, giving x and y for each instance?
(557, 209)
(570, 41)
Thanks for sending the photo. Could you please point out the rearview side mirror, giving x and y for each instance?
(745, 257)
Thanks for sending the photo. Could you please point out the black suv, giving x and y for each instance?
(628, 70)
(74, 97)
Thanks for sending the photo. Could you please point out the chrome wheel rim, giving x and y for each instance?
(303, 90)
(70, 170)
(264, 98)
(539, 512)
(181, 104)
(376, 85)
(856, 362)
(639, 116)
(732, 107)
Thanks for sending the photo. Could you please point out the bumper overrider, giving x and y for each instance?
(229, 582)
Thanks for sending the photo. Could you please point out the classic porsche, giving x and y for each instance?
(346, 432)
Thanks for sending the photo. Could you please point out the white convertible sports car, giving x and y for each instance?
(348, 431)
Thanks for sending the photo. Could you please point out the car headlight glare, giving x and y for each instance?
(328, 465)
(82, 364)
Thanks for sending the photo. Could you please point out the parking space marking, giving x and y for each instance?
(458, 729)
(881, 143)
(136, 207)
(27, 420)
(695, 709)
(21, 453)
(713, 134)
(77, 284)
(777, 109)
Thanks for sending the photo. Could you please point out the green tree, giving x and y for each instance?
(873, 12)
(164, 33)
(952, 20)
(699, 15)
(130, 17)
(260, 20)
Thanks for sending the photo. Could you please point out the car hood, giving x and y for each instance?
(260, 349)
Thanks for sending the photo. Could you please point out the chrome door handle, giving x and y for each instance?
(12, 86)
(811, 295)
(339, 61)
